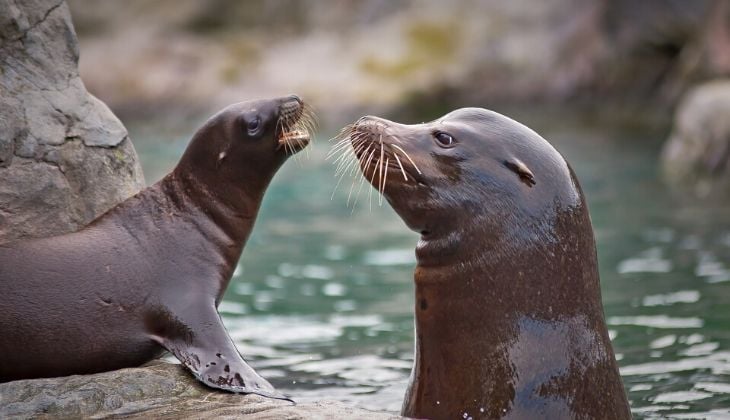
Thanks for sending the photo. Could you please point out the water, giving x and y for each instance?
(321, 303)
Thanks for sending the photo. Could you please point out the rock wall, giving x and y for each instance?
(64, 157)
(375, 56)
(160, 390)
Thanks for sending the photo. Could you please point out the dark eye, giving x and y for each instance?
(445, 140)
(253, 125)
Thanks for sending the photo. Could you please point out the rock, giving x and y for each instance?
(696, 158)
(160, 390)
(64, 157)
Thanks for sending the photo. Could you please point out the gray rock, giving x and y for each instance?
(64, 157)
(696, 158)
(160, 390)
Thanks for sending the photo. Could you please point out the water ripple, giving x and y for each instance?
(656, 321)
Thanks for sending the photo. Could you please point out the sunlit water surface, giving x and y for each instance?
(321, 302)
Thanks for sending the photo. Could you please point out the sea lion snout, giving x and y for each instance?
(295, 125)
(381, 146)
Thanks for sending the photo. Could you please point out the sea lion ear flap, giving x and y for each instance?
(525, 174)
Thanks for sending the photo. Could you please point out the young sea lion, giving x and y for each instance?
(509, 320)
(149, 274)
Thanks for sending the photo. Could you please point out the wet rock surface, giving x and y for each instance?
(160, 390)
(64, 157)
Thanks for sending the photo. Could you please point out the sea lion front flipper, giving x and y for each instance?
(207, 351)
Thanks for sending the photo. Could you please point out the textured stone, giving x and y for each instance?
(696, 158)
(160, 390)
(64, 157)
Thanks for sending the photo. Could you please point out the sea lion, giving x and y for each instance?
(508, 314)
(149, 274)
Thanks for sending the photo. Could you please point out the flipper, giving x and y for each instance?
(207, 351)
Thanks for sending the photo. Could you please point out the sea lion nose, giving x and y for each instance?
(372, 123)
(294, 98)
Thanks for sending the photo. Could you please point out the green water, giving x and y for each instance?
(321, 303)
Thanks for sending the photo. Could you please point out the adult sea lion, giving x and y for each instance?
(509, 320)
(149, 274)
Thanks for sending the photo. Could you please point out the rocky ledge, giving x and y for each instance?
(159, 390)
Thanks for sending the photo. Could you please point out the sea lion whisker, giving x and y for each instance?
(346, 166)
(340, 173)
(360, 159)
(348, 157)
(369, 152)
(372, 180)
(308, 126)
(357, 195)
(385, 179)
(353, 168)
(301, 145)
(345, 160)
(335, 151)
(311, 113)
(403, 171)
(380, 173)
(332, 197)
(344, 131)
(343, 155)
(352, 171)
(367, 164)
(408, 157)
(344, 134)
(349, 195)
(354, 150)
(343, 146)
(360, 147)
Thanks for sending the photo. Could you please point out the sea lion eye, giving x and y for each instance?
(253, 125)
(444, 140)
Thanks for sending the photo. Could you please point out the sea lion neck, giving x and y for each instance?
(482, 316)
(233, 212)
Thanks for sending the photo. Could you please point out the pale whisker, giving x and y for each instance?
(408, 157)
(385, 180)
(400, 165)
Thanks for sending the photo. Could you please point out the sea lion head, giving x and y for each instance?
(245, 143)
(472, 171)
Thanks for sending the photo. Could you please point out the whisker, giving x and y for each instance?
(352, 174)
(400, 165)
(357, 195)
(380, 173)
(408, 157)
(340, 147)
(343, 143)
(346, 167)
(343, 134)
(372, 180)
(364, 176)
(335, 189)
(345, 153)
(385, 179)
(345, 161)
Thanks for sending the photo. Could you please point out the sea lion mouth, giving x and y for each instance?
(295, 127)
